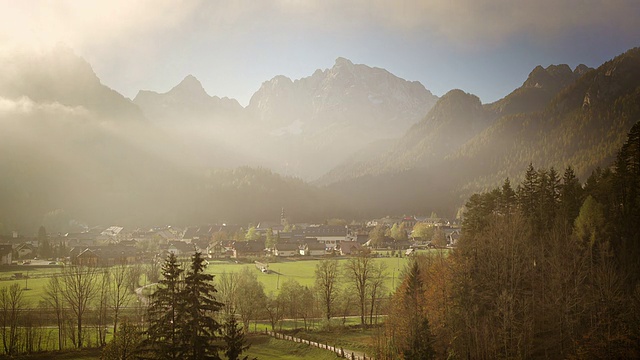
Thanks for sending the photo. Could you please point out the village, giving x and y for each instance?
(112, 245)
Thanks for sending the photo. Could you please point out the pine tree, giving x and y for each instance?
(234, 340)
(200, 326)
(507, 198)
(166, 315)
(528, 192)
(570, 196)
(419, 339)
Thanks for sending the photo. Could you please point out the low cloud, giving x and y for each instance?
(464, 21)
(117, 22)
(25, 106)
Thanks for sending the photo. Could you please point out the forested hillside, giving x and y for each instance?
(548, 269)
(583, 124)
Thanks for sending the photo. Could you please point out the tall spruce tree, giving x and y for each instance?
(570, 196)
(234, 340)
(166, 316)
(419, 340)
(200, 306)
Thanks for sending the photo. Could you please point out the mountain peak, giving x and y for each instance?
(340, 61)
(581, 69)
(189, 85)
(553, 76)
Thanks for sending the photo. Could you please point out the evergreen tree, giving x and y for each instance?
(528, 192)
(570, 196)
(419, 340)
(200, 306)
(44, 247)
(165, 315)
(508, 198)
(123, 346)
(234, 340)
(626, 186)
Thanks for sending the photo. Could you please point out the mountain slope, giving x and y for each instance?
(74, 151)
(455, 119)
(582, 125)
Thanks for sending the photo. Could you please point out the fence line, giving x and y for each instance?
(341, 352)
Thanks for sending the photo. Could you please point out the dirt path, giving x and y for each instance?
(341, 352)
(143, 299)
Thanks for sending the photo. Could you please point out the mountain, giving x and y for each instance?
(455, 118)
(61, 77)
(300, 127)
(74, 151)
(316, 122)
(557, 118)
(584, 125)
(187, 101)
(541, 86)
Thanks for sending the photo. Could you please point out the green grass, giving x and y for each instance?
(267, 348)
(303, 271)
(348, 338)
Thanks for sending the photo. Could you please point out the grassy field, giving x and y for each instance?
(267, 348)
(303, 271)
(348, 338)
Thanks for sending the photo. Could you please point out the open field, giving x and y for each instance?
(267, 348)
(301, 270)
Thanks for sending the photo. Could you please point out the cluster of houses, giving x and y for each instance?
(106, 246)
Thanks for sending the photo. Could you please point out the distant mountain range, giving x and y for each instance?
(299, 127)
(72, 149)
(557, 118)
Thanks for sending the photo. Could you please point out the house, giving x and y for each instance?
(348, 248)
(114, 233)
(248, 248)
(409, 222)
(181, 248)
(313, 248)
(216, 249)
(452, 236)
(5, 254)
(286, 249)
(107, 255)
(330, 235)
(25, 250)
(87, 258)
(87, 238)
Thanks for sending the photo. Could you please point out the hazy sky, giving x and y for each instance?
(483, 47)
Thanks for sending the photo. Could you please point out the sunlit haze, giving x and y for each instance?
(484, 47)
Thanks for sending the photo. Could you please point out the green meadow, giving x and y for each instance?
(302, 271)
(299, 269)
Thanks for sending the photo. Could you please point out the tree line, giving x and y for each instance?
(548, 269)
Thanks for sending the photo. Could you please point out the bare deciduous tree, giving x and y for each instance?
(53, 297)
(11, 303)
(251, 303)
(227, 287)
(357, 272)
(326, 278)
(119, 296)
(79, 288)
